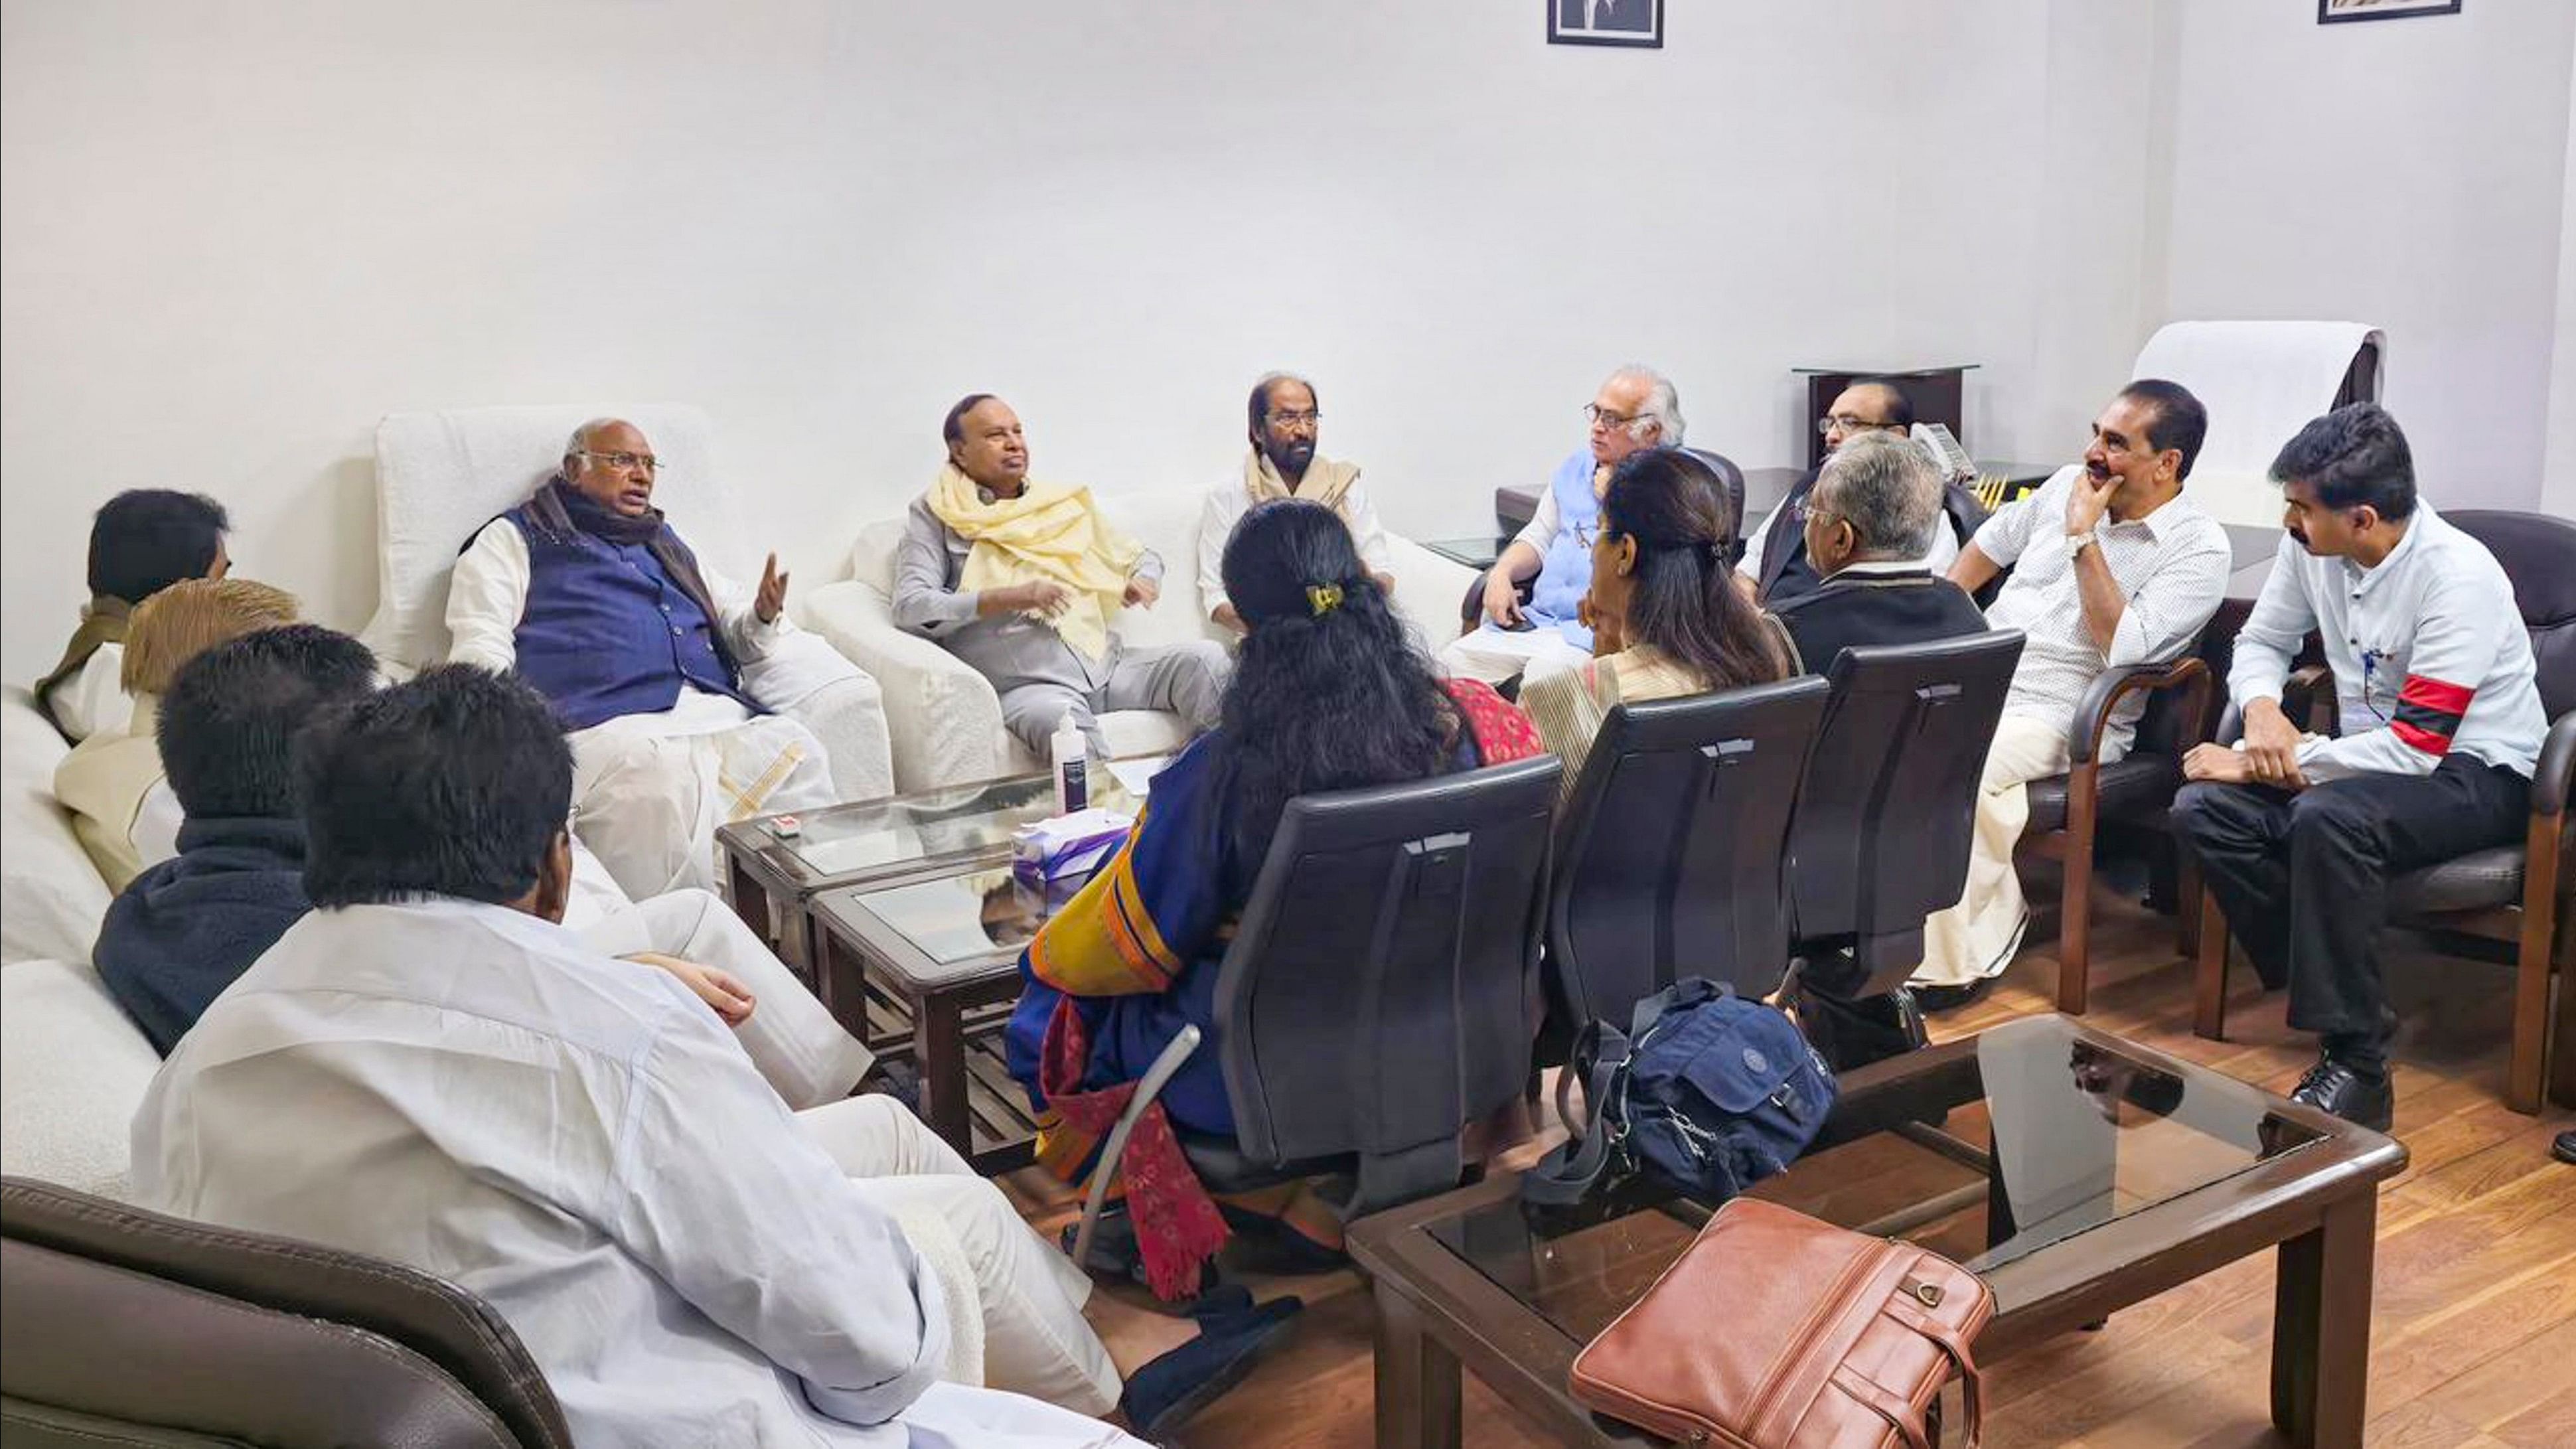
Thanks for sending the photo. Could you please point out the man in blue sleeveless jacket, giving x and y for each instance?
(587, 593)
(1634, 410)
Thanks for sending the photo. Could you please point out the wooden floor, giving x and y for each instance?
(2473, 1337)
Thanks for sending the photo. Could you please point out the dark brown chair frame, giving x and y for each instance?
(2533, 934)
(2071, 845)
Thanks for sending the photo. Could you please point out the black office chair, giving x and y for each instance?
(1381, 991)
(1888, 809)
(1672, 852)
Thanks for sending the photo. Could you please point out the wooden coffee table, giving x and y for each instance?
(930, 967)
(2076, 1173)
(899, 837)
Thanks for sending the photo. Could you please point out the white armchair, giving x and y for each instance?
(440, 476)
(946, 722)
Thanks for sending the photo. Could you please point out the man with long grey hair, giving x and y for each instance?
(1284, 463)
(1635, 409)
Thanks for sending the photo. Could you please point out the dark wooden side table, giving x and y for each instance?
(2074, 1172)
(930, 966)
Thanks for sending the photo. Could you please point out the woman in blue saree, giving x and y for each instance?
(1329, 693)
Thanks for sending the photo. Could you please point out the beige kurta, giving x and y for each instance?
(1568, 707)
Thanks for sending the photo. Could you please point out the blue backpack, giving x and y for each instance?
(1707, 1092)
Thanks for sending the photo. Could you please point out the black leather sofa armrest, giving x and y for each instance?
(2557, 764)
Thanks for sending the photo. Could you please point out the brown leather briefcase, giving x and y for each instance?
(1775, 1331)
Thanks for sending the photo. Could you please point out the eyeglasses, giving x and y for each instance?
(1295, 420)
(645, 461)
(1595, 412)
(1805, 508)
(1850, 424)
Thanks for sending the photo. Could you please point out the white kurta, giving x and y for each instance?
(93, 699)
(649, 790)
(119, 796)
(468, 1090)
(1226, 504)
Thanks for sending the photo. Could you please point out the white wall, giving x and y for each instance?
(238, 232)
(2409, 173)
(2558, 487)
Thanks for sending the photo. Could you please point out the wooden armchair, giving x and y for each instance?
(2509, 903)
(2067, 810)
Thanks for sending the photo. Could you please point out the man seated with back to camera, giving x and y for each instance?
(141, 542)
(1665, 621)
(1863, 525)
(1329, 693)
(186, 929)
(688, 1262)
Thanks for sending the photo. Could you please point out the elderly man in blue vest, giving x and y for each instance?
(1635, 409)
(587, 592)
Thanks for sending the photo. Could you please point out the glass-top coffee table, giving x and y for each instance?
(931, 966)
(2074, 1172)
(884, 840)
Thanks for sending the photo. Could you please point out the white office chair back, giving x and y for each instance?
(2262, 382)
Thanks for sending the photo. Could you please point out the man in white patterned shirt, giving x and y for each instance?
(2112, 566)
(2441, 721)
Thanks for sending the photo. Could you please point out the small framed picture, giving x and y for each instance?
(1611, 22)
(2330, 12)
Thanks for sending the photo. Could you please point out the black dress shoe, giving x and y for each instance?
(1951, 998)
(1850, 1034)
(2331, 1086)
(2564, 1149)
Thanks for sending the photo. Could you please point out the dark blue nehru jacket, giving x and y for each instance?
(608, 632)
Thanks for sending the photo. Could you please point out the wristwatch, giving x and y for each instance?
(2076, 543)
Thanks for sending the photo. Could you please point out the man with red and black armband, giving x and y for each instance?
(2440, 724)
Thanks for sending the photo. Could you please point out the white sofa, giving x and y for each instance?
(946, 723)
(440, 476)
(73, 1068)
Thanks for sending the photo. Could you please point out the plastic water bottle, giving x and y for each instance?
(1072, 761)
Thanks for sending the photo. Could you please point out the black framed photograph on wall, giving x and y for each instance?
(1606, 22)
(2330, 12)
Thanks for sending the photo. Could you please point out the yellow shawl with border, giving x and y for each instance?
(1052, 532)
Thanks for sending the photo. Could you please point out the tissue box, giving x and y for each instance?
(1068, 848)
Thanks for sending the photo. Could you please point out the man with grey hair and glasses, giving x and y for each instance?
(1283, 463)
(1864, 526)
(1635, 409)
(587, 593)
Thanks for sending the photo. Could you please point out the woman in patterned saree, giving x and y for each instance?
(1330, 693)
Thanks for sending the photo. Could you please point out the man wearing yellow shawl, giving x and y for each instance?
(1022, 580)
(1283, 463)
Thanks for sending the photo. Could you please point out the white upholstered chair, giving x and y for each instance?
(440, 476)
(945, 720)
